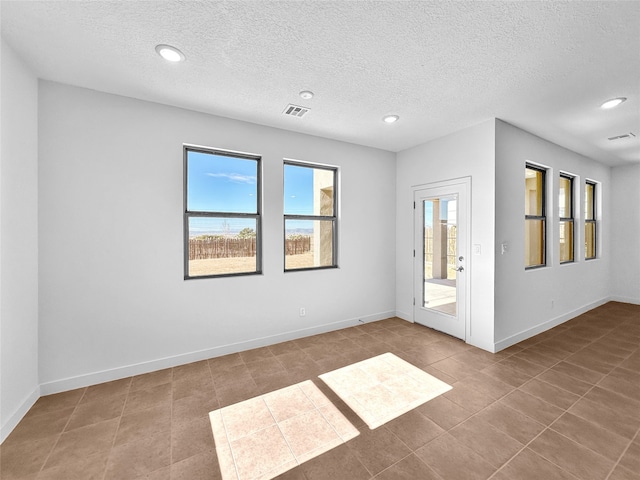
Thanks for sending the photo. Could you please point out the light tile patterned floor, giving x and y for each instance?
(265, 436)
(384, 387)
(561, 405)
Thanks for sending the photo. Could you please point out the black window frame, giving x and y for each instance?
(195, 213)
(333, 218)
(593, 220)
(570, 219)
(542, 217)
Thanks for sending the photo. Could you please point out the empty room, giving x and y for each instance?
(317, 240)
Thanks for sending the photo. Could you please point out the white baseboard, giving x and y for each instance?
(94, 378)
(7, 427)
(616, 298)
(543, 327)
(404, 316)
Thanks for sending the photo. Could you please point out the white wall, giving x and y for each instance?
(625, 233)
(19, 386)
(113, 301)
(469, 152)
(523, 303)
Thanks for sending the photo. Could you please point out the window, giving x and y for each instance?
(565, 202)
(590, 220)
(310, 222)
(535, 217)
(222, 213)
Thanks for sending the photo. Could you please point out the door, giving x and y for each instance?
(441, 269)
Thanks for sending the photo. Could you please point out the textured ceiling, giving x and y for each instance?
(442, 66)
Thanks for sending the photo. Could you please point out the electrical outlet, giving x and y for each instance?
(303, 312)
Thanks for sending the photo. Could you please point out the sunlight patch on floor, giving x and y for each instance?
(382, 388)
(265, 436)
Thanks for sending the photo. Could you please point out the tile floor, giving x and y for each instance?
(268, 435)
(562, 405)
(383, 387)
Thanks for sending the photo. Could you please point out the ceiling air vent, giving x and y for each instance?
(295, 111)
(620, 137)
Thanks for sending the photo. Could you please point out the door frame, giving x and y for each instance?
(466, 303)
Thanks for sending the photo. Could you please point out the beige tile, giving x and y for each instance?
(144, 423)
(611, 419)
(140, 457)
(275, 381)
(492, 444)
(232, 393)
(195, 369)
(150, 380)
(83, 442)
(143, 399)
(91, 467)
(381, 388)
(578, 373)
(489, 385)
(339, 463)
(101, 391)
(261, 452)
(342, 426)
(202, 466)
(454, 461)
(631, 458)
(414, 429)
(598, 348)
(523, 366)
(267, 366)
(288, 402)
(246, 418)
(56, 402)
(192, 385)
(444, 412)
(468, 397)
(550, 393)
(33, 427)
(21, 459)
(191, 438)
(409, 468)
(507, 374)
(570, 456)
(89, 412)
(588, 434)
(613, 400)
(455, 369)
(565, 382)
(532, 406)
(512, 422)
(257, 354)
(225, 362)
(193, 407)
(313, 393)
(622, 381)
(308, 435)
(622, 473)
(378, 449)
(527, 465)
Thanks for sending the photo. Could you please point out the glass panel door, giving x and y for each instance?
(440, 235)
(441, 256)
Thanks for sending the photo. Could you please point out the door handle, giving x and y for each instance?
(460, 268)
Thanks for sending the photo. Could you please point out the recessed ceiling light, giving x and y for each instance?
(614, 102)
(306, 94)
(391, 118)
(170, 54)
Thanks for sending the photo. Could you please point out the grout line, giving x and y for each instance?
(62, 431)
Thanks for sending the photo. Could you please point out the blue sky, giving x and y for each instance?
(218, 183)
